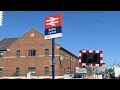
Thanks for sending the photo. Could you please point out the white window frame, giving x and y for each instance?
(1, 69)
(31, 70)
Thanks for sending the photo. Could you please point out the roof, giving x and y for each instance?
(4, 43)
(68, 51)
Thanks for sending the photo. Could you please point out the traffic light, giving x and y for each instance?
(90, 58)
(1, 18)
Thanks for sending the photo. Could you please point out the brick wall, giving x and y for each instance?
(10, 62)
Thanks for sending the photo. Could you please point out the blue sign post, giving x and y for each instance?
(53, 30)
(53, 59)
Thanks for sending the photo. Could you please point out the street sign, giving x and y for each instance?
(53, 26)
(61, 57)
(81, 70)
(52, 62)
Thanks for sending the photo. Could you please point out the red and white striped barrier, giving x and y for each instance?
(91, 51)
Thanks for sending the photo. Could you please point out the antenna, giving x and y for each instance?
(1, 18)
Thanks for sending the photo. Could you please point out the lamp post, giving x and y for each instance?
(53, 30)
(53, 66)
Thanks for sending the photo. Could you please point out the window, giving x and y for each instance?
(1, 69)
(31, 70)
(1, 54)
(32, 53)
(68, 70)
(18, 53)
(17, 46)
(71, 70)
(46, 70)
(46, 52)
(41, 45)
(64, 71)
(68, 56)
(75, 60)
(17, 70)
(71, 58)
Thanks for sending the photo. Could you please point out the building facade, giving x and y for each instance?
(31, 53)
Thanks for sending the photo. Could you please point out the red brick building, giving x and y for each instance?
(32, 53)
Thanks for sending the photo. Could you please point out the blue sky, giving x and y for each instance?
(92, 30)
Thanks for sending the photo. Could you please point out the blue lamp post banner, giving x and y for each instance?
(53, 62)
